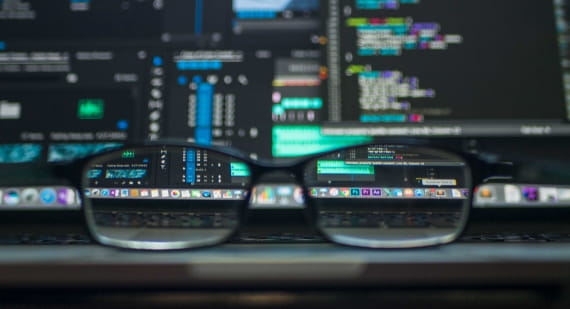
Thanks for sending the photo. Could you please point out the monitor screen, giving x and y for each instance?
(275, 78)
(446, 68)
(79, 77)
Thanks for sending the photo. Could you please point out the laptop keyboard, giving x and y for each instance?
(391, 219)
(336, 219)
(45, 239)
(330, 219)
(163, 219)
(287, 238)
(516, 237)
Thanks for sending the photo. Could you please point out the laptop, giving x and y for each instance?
(279, 80)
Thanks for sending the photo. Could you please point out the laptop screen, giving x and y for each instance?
(276, 78)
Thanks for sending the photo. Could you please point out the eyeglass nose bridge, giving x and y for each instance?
(289, 173)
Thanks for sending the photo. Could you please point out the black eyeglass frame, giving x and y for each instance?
(296, 167)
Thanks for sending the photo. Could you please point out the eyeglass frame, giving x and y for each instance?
(258, 168)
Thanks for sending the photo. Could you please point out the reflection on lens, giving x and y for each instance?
(389, 196)
(164, 197)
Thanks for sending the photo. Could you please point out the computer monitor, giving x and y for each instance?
(83, 76)
(276, 78)
(446, 68)
(476, 70)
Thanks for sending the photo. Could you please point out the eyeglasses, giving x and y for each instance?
(180, 196)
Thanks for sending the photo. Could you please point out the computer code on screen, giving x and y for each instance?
(465, 65)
